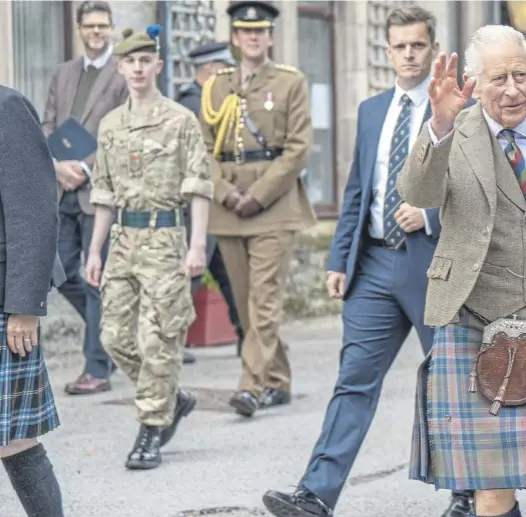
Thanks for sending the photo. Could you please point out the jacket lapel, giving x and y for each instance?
(72, 81)
(475, 142)
(103, 80)
(372, 133)
(267, 72)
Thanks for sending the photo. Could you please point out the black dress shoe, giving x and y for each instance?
(273, 397)
(301, 503)
(188, 358)
(244, 403)
(458, 507)
(185, 404)
(145, 453)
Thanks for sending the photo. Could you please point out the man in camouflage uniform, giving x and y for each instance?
(208, 59)
(151, 160)
(257, 128)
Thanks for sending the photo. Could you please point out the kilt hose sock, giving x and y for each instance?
(34, 481)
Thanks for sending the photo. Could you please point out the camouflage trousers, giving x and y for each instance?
(146, 311)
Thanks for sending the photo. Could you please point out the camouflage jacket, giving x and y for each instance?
(149, 161)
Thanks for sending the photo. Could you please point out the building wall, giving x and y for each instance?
(6, 46)
(360, 69)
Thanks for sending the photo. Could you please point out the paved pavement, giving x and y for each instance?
(220, 465)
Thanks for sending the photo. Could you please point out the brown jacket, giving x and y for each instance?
(460, 175)
(109, 92)
(284, 123)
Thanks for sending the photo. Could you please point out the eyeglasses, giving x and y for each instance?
(95, 26)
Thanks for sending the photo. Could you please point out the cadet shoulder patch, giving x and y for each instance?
(227, 70)
(287, 68)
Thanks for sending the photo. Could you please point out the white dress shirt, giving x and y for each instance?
(99, 61)
(419, 102)
(495, 128)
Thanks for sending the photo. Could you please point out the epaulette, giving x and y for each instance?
(228, 70)
(287, 68)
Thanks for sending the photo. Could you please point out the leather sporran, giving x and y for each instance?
(499, 370)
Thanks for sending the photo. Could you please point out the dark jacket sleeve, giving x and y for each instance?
(28, 193)
(349, 212)
(191, 100)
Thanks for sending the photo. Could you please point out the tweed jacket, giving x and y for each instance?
(109, 92)
(459, 176)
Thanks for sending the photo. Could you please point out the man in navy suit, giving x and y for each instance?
(378, 262)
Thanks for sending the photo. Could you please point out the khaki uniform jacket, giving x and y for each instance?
(275, 184)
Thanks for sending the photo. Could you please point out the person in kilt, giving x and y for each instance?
(28, 268)
(470, 425)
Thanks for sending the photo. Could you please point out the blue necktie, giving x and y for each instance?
(394, 236)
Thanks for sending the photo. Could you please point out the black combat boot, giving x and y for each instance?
(185, 405)
(145, 453)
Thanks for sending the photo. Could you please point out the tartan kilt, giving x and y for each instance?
(27, 406)
(457, 444)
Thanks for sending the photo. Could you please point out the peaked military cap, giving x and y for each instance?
(212, 52)
(252, 15)
(138, 41)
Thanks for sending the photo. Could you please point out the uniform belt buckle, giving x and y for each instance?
(240, 158)
(153, 220)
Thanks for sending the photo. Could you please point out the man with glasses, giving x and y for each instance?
(86, 88)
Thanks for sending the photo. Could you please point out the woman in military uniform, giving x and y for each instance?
(257, 128)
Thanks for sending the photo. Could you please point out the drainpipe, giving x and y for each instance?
(494, 12)
(164, 18)
(455, 34)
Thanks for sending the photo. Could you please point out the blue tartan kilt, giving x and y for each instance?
(27, 406)
(457, 444)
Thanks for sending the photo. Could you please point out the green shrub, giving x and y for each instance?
(208, 280)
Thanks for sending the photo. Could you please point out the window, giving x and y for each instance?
(194, 24)
(41, 40)
(315, 59)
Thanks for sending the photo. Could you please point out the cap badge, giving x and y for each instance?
(251, 13)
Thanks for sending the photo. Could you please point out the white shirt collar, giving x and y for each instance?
(418, 94)
(496, 128)
(100, 61)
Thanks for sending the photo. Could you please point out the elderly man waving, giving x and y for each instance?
(471, 163)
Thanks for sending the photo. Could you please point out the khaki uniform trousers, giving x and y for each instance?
(257, 267)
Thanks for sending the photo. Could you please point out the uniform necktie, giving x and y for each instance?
(514, 155)
(393, 234)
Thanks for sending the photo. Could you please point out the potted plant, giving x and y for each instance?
(212, 325)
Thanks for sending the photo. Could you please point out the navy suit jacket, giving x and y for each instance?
(352, 228)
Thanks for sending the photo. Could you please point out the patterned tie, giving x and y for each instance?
(393, 234)
(514, 155)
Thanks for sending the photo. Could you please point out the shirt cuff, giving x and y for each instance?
(86, 169)
(426, 222)
(197, 187)
(102, 197)
(434, 138)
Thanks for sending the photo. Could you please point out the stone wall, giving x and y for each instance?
(305, 292)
